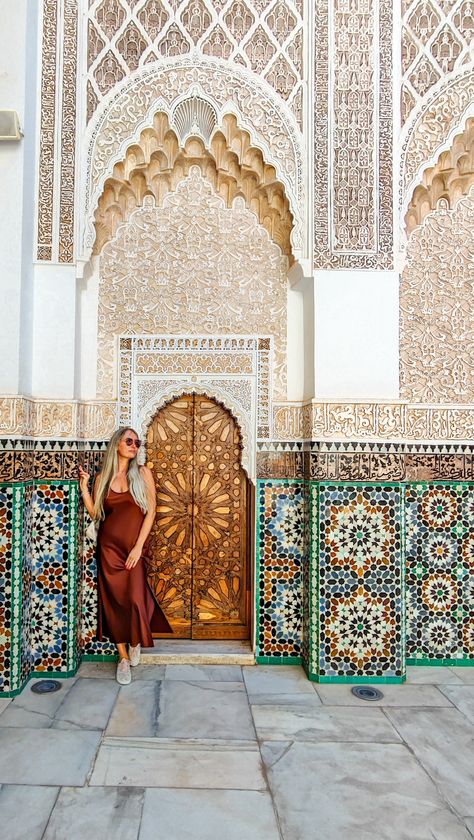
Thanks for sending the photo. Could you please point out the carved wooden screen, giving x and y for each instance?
(199, 567)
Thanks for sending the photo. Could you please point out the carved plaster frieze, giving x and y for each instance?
(373, 421)
(121, 120)
(194, 266)
(24, 417)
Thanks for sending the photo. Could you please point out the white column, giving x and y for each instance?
(300, 333)
(356, 335)
(18, 91)
(54, 331)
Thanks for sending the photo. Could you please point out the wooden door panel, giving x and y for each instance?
(219, 547)
(199, 543)
(170, 456)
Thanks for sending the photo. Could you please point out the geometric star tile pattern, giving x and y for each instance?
(281, 538)
(357, 582)
(440, 571)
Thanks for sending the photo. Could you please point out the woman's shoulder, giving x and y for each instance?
(146, 471)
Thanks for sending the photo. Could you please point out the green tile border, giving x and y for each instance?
(99, 657)
(359, 680)
(463, 663)
(18, 493)
(279, 660)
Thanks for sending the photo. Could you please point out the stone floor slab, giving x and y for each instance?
(4, 703)
(393, 695)
(284, 699)
(25, 811)
(101, 670)
(443, 741)
(88, 705)
(463, 698)
(465, 673)
(89, 813)
(431, 675)
(274, 723)
(207, 673)
(204, 710)
(148, 672)
(136, 710)
(35, 710)
(172, 763)
(337, 791)
(276, 679)
(208, 815)
(46, 756)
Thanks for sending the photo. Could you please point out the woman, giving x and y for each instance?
(123, 503)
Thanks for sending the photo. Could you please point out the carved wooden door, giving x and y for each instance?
(199, 567)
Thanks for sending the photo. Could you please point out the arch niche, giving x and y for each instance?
(199, 558)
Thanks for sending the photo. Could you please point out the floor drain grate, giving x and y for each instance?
(46, 686)
(366, 692)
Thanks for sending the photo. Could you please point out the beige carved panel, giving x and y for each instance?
(20, 416)
(447, 181)
(57, 135)
(353, 128)
(192, 266)
(436, 41)
(437, 315)
(264, 37)
(231, 90)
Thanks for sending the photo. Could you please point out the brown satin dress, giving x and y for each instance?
(128, 611)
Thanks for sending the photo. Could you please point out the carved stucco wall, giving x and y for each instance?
(353, 130)
(264, 36)
(192, 266)
(436, 41)
(437, 315)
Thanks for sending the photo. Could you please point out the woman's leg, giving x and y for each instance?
(122, 649)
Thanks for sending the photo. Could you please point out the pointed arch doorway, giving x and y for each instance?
(200, 542)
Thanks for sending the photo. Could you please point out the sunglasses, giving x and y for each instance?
(133, 442)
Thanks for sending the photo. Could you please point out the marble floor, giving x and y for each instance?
(224, 752)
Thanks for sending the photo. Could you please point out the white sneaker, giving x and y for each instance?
(123, 675)
(134, 654)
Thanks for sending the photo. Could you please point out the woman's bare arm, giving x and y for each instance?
(89, 499)
(137, 549)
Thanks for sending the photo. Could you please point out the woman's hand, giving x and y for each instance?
(84, 478)
(133, 557)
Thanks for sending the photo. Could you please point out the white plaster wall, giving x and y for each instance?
(54, 333)
(86, 343)
(300, 338)
(18, 91)
(356, 348)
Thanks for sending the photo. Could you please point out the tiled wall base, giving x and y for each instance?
(356, 583)
(281, 553)
(39, 567)
(440, 573)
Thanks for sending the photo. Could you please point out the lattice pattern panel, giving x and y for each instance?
(11, 504)
(440, 571)
(436, 41)
(54, 577)
(281, 549)
(265, 36)
(353, 124)
(356, 598)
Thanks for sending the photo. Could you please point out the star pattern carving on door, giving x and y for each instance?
(198, 545)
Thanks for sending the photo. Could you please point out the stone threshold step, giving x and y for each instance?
(198, 652)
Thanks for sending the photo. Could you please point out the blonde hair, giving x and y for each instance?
(135, 479)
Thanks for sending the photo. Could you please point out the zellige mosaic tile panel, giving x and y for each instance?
(281, 528)
(440, 571)
(357, 583)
